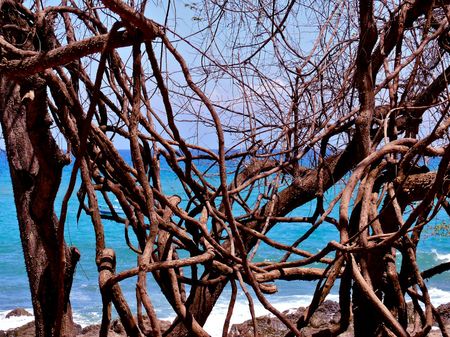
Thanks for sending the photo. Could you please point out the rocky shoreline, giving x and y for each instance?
(326, 315)
(268, 325)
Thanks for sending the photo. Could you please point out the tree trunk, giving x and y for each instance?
(202, 299)
(36, 167)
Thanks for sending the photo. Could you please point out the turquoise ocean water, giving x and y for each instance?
(85, 297)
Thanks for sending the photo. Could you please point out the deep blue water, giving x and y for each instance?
(85, 296)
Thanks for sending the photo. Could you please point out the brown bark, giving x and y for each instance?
(372, 145)
(107, 268)
(36, 165)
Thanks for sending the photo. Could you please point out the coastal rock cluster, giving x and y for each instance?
(325, 316)
(269, 326)
(18, 312)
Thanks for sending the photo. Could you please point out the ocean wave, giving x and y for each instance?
(83, 319)
(441, 257)
(216, 319)
(13, 322)
(86, 319)
(241, 311)
(439, 296)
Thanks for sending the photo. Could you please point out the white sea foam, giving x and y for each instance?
(439, 296)
(241, 311)
(441, 257)
(216, 319)
(13, 322)
(87, 319)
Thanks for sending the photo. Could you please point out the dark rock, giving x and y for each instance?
(94, 331)
(269, 326)
(328, 313)
(444, 312)
(26, 330)
(18, 312)
(117, 326)
(78, 328)
(324, 317)
(165, 325)
(91, 330)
